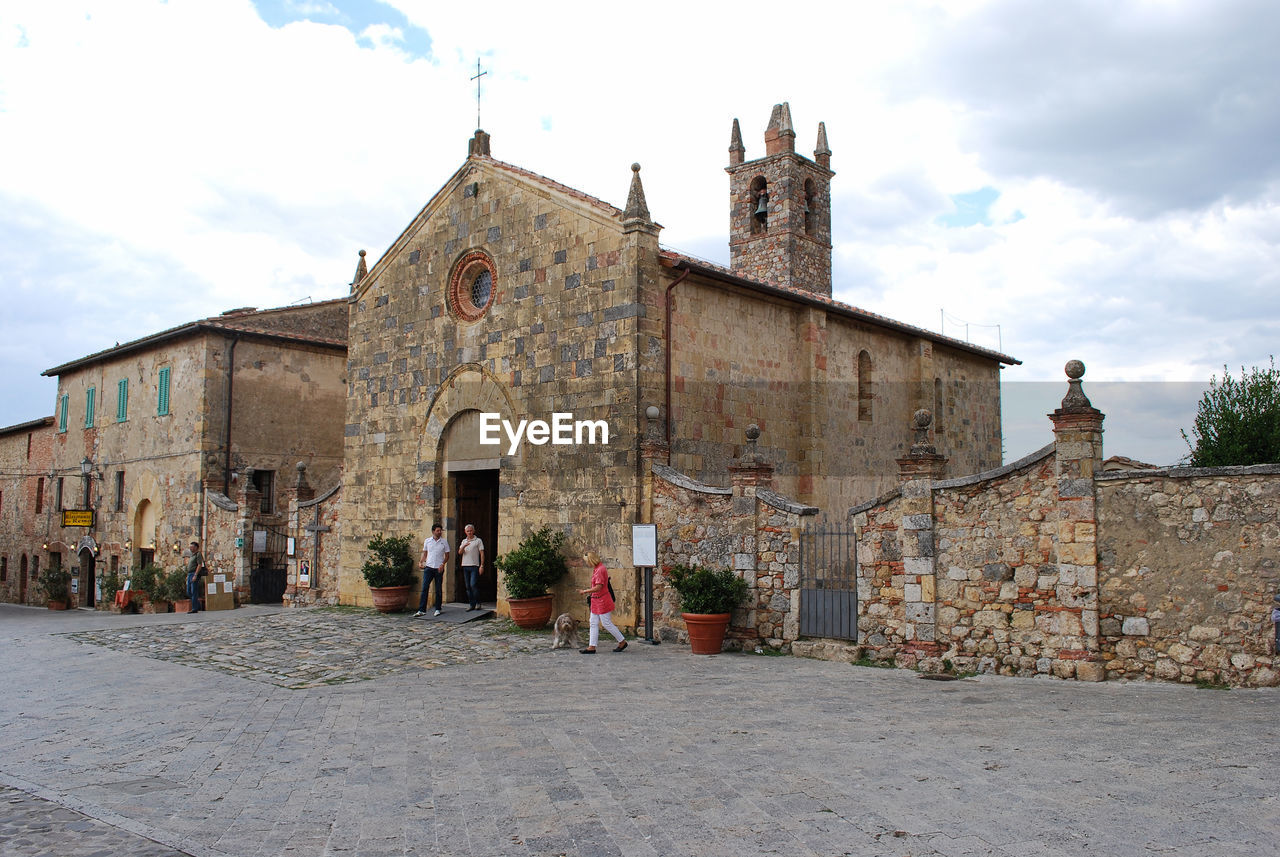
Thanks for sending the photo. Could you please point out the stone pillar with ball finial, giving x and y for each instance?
(1072, 632)
(917, 472)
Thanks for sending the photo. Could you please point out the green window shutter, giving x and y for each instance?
(63, 406)
(163, 404)
(89, 398)
(122, 400)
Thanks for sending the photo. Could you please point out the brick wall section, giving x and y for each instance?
(1189, 560)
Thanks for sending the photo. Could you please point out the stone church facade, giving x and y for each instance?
(512, 297)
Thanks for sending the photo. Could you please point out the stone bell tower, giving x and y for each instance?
(780, 208)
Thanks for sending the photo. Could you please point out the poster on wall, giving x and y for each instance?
(304, 573)
(289, 546)
(259, 541)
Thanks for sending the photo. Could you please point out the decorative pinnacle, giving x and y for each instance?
(637, 208)
(737, 151)
(822, 152)
(362, 271)
(1075, 399)
(920, 422)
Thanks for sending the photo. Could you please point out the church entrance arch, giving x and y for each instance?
(471, 480)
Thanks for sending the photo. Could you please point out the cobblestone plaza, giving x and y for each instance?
(261, 731)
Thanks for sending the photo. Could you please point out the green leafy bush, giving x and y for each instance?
(703, 590)
(536, 563)
(54, 583)
(149, 580)
(110, 585)
(391, 563)
(173, 585)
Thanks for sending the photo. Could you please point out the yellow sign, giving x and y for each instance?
(77, 517)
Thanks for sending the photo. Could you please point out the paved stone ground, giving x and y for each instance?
(133, 746)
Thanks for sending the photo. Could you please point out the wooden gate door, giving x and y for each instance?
(477, 495)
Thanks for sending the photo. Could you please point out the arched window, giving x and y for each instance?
(810, 207)
(759, 209)
(865, 394)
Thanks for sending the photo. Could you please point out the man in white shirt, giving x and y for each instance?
(435, 553)
(471, 551)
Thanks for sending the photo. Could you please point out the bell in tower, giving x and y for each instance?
(780, 208)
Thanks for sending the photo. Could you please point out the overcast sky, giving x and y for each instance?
(1092, 180)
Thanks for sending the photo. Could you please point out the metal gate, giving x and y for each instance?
(829, 582)
(269, 575)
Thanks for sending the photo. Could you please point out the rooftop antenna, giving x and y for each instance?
(479, 74)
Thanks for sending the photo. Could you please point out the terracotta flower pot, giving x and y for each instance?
(531, 613)
(182, 605)
(706, 631)
(390, 599)
(57, 605)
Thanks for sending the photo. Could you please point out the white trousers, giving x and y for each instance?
(606, 619)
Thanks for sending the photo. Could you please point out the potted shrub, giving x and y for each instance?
(389, 572)
(707, 599)
(54, 583)
(149, 580)
(528, 571)
(110, 586)
(175, 590)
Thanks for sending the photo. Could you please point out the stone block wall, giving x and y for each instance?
(747, 528)
(25, 460)
(316, 528)
(1189, 561)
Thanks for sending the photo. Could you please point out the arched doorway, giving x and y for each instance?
(88, 585)
(144, 532)
(471, 497)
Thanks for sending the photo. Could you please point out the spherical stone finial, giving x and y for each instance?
(922, 418)
(1074, 369)
(362, 253)
(652, 412)
(301, 466)
(635, 168)
(753, 432)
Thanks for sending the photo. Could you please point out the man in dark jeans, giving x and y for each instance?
(435, 553)
(195, 573)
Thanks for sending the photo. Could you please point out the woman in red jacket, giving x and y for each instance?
(601, 605)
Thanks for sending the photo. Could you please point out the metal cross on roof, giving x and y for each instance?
(479, 74)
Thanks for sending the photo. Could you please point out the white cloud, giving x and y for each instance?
(191, 158)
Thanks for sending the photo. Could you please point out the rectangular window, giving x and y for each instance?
(90, 398)
(35, 567)
(39, 495)
(59, 507)
(119, 490)
(64, 404)
(162, 405)
(265, 482)
(122, 400)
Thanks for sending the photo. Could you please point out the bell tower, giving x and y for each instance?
(780, 208)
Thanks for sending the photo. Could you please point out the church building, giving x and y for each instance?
(511, 297)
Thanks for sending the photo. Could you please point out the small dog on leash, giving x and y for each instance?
(566, 632)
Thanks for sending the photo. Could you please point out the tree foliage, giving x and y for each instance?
(1238, 421)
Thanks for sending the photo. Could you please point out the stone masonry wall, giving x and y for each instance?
(25, 460)
(321, 550)
(559, 336)
(1189, 560)
(747, 528)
